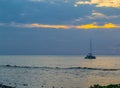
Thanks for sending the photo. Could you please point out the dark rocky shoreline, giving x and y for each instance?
(5, 86)
(108, 86)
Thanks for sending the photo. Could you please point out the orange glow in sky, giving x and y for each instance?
(84, 26)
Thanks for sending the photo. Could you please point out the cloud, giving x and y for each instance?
(95, 26)
(2, 24)
(36, 0)
(51, 1)
(84, 26)
(98, 15)
(101, 3)
(48, 26)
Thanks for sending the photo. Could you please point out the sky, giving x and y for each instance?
(59, 27)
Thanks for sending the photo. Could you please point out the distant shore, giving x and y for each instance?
(94, 86)
(107, 86)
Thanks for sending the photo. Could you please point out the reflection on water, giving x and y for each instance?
(61, 61)
(103, 62)
(43, 77)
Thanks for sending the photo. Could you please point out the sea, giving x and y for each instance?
(58, 71)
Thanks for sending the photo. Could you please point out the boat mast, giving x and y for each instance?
(91, 47)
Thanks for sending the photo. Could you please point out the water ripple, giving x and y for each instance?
(85, 68)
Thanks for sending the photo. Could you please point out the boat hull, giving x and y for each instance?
(90, 57)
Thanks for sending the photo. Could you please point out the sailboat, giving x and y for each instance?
(90, 55)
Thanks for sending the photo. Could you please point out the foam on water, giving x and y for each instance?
(59, 68)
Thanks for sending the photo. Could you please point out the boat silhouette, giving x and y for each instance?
(90, 55)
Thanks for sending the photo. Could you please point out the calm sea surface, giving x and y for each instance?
(58, 71)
